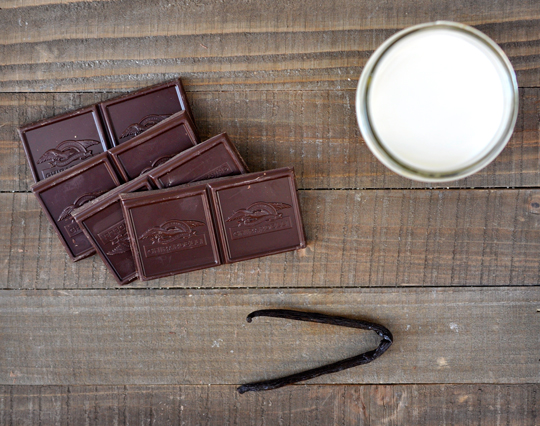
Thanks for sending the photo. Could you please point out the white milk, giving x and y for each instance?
(439, 99)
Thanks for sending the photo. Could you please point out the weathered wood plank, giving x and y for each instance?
(145, 337)
(231, 45)
(14, 4)
(316, 132)
(355, 239)
(280, 78)
(437, 405)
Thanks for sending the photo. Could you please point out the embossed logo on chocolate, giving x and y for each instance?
(116, 237)
(158, 162)
(259, 218)
(72, 228)
(66, 153)
(147, 122)
(219, 171)
(172, 236)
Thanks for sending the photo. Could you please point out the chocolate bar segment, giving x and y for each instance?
(132, 114)
(103, 224)
(60, 194)
(257, 214)
(59, 143)
(170, 231)
(154, 147)
(216, 157)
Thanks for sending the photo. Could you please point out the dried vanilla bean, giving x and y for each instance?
(361, 359)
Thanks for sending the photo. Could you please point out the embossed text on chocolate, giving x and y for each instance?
(276, 225)
(113, 231)
(116, 237)
(219, 171)
(51, 172)
(186, 244)
(72, 228)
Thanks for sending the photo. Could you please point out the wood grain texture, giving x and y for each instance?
(106, 337)
(309, 44)
(316, 132)
(398, 405)
(355, 239)
(455, 272)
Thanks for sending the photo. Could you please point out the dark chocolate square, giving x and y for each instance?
(155, 146)
(59, 143)
(103, 223)
(213, 158)
(60, 194)
(257, 214)
(132, 114)
(171, 231)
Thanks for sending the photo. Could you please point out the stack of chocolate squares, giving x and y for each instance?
(128, 179)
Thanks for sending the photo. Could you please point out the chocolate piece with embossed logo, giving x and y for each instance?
(103, 224)
(64, 192)
(257, 214)
(59, 143)
(130, 115)
(171, 231)
(216, 157)
(154, 147)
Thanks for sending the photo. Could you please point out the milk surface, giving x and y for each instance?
(439, 100)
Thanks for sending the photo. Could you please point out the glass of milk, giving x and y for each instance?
(437, 102)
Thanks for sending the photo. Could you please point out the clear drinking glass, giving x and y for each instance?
(437, 101)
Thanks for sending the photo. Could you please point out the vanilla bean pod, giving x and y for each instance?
(361, 359)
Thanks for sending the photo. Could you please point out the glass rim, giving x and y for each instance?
(378, 149)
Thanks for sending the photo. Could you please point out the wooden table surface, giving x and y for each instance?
(452, 271)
